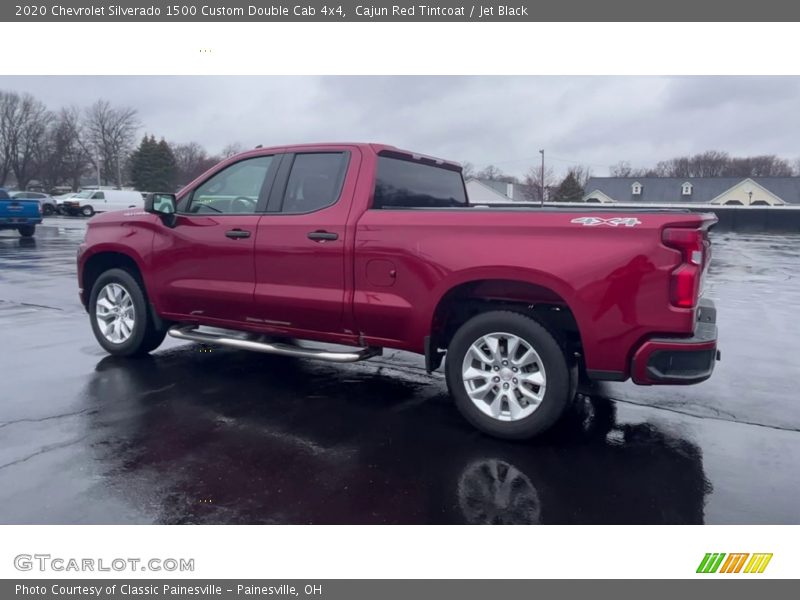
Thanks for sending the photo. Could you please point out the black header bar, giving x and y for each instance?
(402, 10)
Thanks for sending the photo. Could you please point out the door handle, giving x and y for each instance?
(321, 236)
(235, 234)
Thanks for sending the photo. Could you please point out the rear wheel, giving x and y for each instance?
(27, 230)
(508, 375)
(121, 319)
(48, 210)
(87, 211)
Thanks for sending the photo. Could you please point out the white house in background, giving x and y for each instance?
(486, 191)
(736, 191)
(598, 197)
(748, 193)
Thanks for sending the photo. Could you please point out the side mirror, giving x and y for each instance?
(163, 205)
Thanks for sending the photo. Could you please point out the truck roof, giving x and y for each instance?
(370, 147)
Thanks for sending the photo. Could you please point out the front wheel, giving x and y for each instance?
(48, 210)
(87, 211)
(27, 231)
(507, 375)
(120, 316)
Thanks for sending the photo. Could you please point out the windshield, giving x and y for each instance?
(84, 194)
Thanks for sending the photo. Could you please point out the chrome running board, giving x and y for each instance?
(190, 333)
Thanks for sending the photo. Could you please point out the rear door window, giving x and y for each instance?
(409, 184)
(314, 182)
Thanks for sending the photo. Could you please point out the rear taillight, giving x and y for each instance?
(685, 283)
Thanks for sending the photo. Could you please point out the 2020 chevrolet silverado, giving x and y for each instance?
(372, 247)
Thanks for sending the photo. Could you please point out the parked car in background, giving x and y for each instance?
(60, 199)
(88, 202)
(19, 213)
(47, 203)
(374, 247)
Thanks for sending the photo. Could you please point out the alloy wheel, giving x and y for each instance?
(115, 313)
(504, 376)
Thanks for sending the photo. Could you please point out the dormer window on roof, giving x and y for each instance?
(636, 189)
(686, 189)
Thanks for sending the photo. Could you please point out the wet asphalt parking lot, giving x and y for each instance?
(195, 434)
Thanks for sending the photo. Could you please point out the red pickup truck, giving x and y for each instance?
(371, 247)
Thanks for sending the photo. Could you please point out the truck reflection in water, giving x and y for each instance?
(198, 436)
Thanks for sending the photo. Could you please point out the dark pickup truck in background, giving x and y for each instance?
(372, 247)
(20, 214)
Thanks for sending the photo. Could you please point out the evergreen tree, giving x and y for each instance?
(167, 171)
(153, 166)
(569, 190)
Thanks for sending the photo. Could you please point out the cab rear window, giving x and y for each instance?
(409, 184)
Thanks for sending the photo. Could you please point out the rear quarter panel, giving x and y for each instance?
(615, 280)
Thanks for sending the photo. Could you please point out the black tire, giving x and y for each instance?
(145, 336)
(87, 211)
(48, 210)
(558, 384)
(27, 231)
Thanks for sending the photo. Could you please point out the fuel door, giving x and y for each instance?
(381, 272)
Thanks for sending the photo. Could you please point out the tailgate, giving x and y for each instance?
(19, 209)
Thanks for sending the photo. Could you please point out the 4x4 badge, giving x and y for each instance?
(613, 222)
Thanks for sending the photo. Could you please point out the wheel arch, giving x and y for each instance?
(101, 261)
(546, 300)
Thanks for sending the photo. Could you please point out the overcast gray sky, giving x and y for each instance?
(595, 121)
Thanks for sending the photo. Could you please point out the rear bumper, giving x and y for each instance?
(14, 222)
(679, 361)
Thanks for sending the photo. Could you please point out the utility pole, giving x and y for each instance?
(542, 178)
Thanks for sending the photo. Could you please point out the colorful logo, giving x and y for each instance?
(719, 562)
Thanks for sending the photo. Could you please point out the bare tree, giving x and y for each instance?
(711, 163)
(772, 166)
(63, 156)
(674, 167)
(23, 125)
(232, 149)
(491, 173)
(192, 160)
(467, 170)
(111, 133)
(9, 102)
(621, 169)
(533, 183)
(77, 159)
(767, 165)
